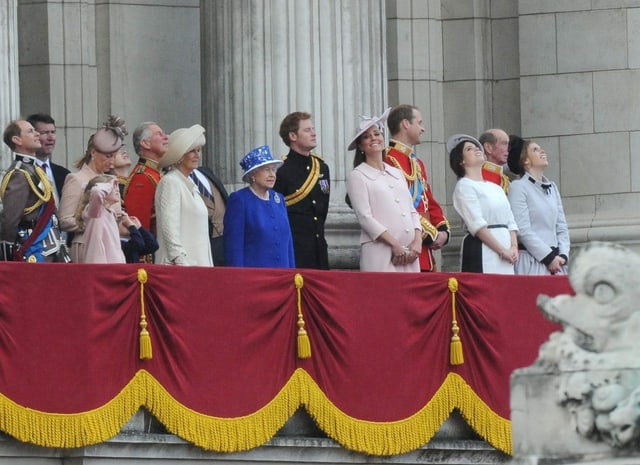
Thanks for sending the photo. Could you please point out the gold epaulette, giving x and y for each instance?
(43, 195)
(400, 147)
(492, 167)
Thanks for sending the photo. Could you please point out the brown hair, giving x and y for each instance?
(397, 115)
(291, 123)
(12, 130)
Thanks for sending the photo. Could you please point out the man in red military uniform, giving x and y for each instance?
(150, 143)
(496, 148)
(405, 126)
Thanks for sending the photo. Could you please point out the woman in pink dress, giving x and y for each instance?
(102, 148)
(390, 230)
(96, 214)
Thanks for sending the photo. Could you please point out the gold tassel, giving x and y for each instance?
(456, 357)
(304, 346)
(146, 351)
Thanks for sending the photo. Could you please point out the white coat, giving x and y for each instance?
(182, 222)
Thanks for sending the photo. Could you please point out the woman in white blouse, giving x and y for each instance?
(181, 214)
(490, 245)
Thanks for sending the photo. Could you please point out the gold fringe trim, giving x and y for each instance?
(456, 356)
(398, 437)
(304, 345)
(146, 351)
(250, 431)
(224, 434)
(72, 430)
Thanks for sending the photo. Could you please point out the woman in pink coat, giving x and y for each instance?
(102, 148)
(391, 234)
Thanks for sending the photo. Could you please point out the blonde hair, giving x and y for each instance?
(86, 195)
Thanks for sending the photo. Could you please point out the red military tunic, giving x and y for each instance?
(140, 192)
(432, 216)
(494, 173)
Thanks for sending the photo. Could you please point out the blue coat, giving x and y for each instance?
(257, 231)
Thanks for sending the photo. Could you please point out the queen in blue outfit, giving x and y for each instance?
(256, 225)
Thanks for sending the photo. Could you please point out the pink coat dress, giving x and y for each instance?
(101, 235)
(382, 202)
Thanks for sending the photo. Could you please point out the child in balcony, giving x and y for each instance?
(100, 222)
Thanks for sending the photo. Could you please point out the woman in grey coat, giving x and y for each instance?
(543, 235)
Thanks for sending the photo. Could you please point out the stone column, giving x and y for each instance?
(9, 88)
(262, 59)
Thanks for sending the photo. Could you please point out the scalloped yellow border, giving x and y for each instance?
(250, 431)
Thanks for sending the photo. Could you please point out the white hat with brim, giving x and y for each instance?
(458, 138)
(181, 141)
(365, 123)
(257, 158)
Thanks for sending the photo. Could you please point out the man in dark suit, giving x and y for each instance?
(215, 198)
(304, 181)
(46, 127)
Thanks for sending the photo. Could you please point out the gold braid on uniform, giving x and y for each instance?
(415, 176)
(415, 169)
(140, 168)
(505, 183)
(303, 191)
(43, 197)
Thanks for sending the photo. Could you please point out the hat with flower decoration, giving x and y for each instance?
(365, 123)
(257, 158)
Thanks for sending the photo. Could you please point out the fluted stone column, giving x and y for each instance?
(262, 59)
(9, 88)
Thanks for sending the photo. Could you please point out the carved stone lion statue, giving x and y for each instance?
(597, 355)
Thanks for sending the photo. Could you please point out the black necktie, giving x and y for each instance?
(201, 187)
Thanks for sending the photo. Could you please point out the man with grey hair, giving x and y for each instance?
(150, 143)
(495, 143)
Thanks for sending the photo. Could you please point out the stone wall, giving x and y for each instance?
(81, 60)
(580, 97)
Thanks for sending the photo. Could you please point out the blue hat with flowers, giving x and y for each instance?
(258, 157)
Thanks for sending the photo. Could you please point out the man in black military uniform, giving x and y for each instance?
(305, 183)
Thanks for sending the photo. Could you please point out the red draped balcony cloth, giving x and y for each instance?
(225, 372)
